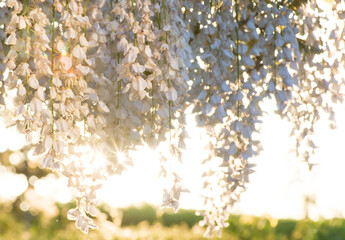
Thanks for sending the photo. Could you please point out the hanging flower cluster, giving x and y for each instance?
(320, 80)
(121, 73)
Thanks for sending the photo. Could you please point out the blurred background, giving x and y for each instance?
(284, 200)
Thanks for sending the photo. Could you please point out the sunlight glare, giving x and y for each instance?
(64, 52)
(9, 179)
(13, 141)
(53, 188)
(137, 184)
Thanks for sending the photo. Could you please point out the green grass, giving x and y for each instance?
(146, 223)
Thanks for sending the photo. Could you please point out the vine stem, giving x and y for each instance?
(27, 53)
(238, 114)
(118, 56)
(153, 110)
(168, 80)
(84, 32)
(69, 42)
(111, 9)
(274, 54)
(170, 117)
(84, 13)
(135, 35)
(165, 19)
(118, 84)
(153, 106)
(237, 59)
(52, 68)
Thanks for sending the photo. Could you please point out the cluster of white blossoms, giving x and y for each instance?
(121, 73)
(320, 71)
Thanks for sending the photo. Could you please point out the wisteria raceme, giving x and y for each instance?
(113, 75)
(321, 49)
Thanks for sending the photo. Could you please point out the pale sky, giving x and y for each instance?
(277, 188)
